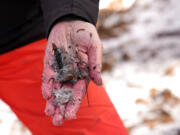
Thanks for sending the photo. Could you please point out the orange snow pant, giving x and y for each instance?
(20, 88)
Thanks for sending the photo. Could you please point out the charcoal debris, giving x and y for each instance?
(63, 65)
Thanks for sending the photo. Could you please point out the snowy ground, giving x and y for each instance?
(9, 123)
(144, 80)
(141, 69)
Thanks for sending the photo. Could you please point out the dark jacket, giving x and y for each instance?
(25, 21)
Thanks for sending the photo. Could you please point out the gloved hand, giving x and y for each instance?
(81, 44)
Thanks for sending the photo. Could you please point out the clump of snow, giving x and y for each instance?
(9, 123)
(62, 96)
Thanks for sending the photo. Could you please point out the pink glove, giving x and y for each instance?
(73, 56)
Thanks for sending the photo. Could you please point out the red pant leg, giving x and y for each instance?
(20, 87)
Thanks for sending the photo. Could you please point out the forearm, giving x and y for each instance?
(59, 10)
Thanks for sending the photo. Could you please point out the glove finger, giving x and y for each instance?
(50, 108)
(95, 59)
(83, 56)
(73, 106)
(47, 83)
(58, 118)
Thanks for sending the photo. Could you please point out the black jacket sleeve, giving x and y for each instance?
(56, 10)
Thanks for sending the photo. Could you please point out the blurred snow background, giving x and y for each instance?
(141, 66)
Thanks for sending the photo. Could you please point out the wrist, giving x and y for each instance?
(66, 18)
